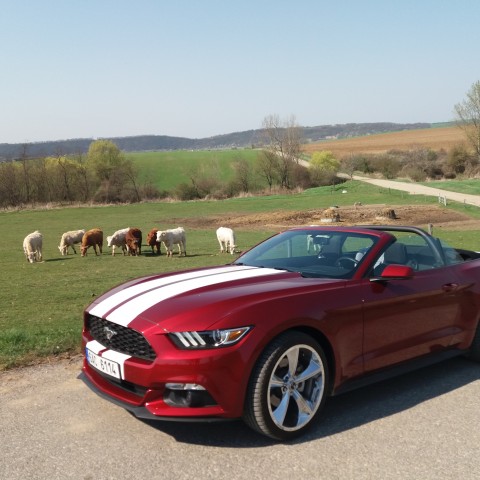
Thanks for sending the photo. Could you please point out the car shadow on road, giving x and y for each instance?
(341, 413)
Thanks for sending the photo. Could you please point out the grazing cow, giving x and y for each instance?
(32, 246)
(134, 241)
(118, 240)
(171, 237)
(69, 239)
(92, 238)
(152, 240)
(226, 239)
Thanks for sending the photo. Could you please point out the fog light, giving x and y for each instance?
(184, 386)
(189, 395)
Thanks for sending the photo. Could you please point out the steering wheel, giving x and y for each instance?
(351, 262)
(413, 263)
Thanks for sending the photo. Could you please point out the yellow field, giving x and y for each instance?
(434, 138)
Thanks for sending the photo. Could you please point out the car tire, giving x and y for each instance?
(281, 403)
(474, 352)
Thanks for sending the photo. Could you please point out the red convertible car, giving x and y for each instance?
(306, 314)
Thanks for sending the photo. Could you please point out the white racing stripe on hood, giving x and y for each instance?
(114, 300)
(127, 312)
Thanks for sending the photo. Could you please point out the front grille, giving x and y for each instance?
(123, 340)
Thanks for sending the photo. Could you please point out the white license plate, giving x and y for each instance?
(103, 364)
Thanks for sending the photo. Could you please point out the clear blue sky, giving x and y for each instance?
(198, 68)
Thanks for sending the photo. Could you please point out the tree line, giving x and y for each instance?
(106, 175)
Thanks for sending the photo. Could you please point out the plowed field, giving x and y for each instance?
(434, 138)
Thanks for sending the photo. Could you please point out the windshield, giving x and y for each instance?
(312, 253)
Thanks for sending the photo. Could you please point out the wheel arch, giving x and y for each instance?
(319, 337)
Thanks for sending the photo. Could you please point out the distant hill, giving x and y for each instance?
(244, 139)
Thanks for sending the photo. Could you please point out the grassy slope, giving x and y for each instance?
(469, 186)
(42, 303)
(167, 169)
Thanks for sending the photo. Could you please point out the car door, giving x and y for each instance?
(410, 317)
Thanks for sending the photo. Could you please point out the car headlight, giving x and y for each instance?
(208, 338)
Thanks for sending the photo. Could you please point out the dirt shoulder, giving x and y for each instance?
(417, 215)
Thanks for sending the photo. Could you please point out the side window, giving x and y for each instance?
(409, 249)
(356, 247)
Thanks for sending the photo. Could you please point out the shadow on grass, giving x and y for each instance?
(63, 259)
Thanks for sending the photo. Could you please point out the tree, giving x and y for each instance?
(458, 158)
(468, 117)
(131, 173)
(354, 163)
(10, 181)
(111, 169)
(324, 161)
(267, 166)
(204, 178)
(26, 172)
(243, 173)
(323, 167)
(104, 156)
(283, 139)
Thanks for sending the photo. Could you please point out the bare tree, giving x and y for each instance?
(283, 138)
(64, 168)
(81, 178)
(204, 177)
(10, 181)
(468, 117)
(43, 189)
(131, 173)
(267, 166)
(26, 172)
(243, 173)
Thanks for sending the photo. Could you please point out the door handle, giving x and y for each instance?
(449, 287)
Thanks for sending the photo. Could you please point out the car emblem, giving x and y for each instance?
(109, 333)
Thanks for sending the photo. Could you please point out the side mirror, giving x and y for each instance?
(394, 272)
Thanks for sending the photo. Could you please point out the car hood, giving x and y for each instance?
(197, 298)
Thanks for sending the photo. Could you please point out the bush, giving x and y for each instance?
(301, 177)
(185, 191)
(413, 173)
(387, 165)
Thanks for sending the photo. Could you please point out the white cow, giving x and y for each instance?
(118, 240)
(69, 239)
(226, 239)
(32, 247)
(171, 237)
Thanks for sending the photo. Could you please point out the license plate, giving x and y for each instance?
(103, 364)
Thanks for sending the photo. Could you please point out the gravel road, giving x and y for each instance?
(422, 426)
(416, 189)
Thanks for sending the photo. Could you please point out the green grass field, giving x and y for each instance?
(168, 169)
(470, 186)
(42, 303)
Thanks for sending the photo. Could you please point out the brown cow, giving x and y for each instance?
(134, 241)
(152, 241)
(92, 238)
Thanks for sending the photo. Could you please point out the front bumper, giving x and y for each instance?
(144, 389)
(141, 411)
